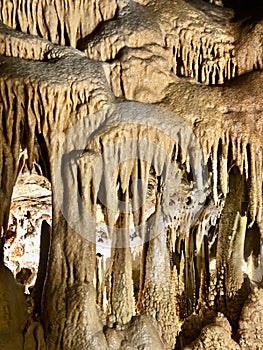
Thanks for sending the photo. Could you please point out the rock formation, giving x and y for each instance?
(143, 121)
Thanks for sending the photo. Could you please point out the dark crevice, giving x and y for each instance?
(245, 9)
(42, 267)
(66, 36)
(42, 155)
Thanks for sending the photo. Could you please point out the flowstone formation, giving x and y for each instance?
(139, 126)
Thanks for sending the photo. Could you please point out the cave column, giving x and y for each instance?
(122, 301)
(69, 311)
(158, 298)
(230, 287)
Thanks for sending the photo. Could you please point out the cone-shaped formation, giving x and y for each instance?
(251, 318)
(176, 190)
(13, 314)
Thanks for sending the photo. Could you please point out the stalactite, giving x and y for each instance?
(224, 176)
(188, 50)
(244, 151)
(52, 103)
(57, 98)
(202, 59)
(62, 23)
(215, 172)
(15, 44)
(10, 147)
(36, 89)
(253, 193)
(223, 164)
(245, 159)
(109, 195)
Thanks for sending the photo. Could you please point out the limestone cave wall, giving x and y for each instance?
(138, 126)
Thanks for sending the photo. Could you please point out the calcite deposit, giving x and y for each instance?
(131, 172)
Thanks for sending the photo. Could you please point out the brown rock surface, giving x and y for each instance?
(136, 125)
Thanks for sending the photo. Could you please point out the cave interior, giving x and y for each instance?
(131, 171)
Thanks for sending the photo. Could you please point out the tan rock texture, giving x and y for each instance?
(216, 335)
(250, 321)
(139, 126)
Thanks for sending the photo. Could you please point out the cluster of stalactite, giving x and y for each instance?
(104, 155)
(189, 49)
(61, 22)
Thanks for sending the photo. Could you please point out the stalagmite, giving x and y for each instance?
(100, 282)
(250, 321)
(155, 200)
(235, 259)
(122, 286)
(232, 230)
(13, 311)
(34, 337)
(158, 298)
(216, 335)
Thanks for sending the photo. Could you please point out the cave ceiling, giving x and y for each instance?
(131, 151)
